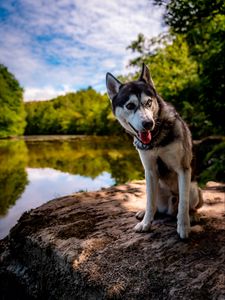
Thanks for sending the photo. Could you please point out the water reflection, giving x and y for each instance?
(13, 177)
(88, 157)
(35, 171)
(44, 185)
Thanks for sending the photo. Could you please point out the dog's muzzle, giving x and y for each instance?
(142, 139)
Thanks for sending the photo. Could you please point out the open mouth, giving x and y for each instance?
(145, 136)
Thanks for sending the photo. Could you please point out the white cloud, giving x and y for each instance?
(43, 93)
(48, 45)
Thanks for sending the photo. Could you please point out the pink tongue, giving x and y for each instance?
(145, 137)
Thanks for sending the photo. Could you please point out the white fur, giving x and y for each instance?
(171, 155)
(183, 220)
(134, 117)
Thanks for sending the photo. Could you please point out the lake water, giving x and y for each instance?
(35, 170)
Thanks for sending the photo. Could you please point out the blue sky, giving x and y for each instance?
(57, 46)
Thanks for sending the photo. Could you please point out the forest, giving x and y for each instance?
(187, 64)
(83, 112)
(12, 112)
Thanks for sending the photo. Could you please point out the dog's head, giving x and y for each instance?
(135, 104)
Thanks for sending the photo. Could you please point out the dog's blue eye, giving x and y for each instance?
(130, 106)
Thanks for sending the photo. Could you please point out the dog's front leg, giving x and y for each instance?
(183, 219)
(152, 194)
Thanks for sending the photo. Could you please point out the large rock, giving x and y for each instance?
(83, 247)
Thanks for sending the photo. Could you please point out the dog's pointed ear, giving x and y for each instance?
(146, 76)
(113, 85)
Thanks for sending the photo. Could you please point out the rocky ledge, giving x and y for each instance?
(83, 247)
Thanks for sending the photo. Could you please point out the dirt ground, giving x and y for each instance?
(83, 246)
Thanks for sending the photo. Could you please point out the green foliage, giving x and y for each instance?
(13, 176)
(188, 63)
(175, 76)
(172, 73)
(202, 25)
(84, 112)
(12, 114)
(182, 15)
(214, 164)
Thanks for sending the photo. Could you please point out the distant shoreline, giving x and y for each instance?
(54, 137)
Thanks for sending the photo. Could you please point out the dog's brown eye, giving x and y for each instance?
(149, 102)
(130, 106)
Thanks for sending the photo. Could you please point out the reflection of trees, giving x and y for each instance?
(13, 176)
(126, 167)
(85, 156)
(88, 157)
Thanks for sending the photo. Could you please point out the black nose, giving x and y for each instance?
(147, 125)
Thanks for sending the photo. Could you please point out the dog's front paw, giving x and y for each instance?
(142, 227)
(183, 230)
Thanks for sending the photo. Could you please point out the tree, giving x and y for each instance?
(83, 112)
(184, 15)
(171, 72)
(12, 113)
(202, 24)
(175, 74)
(188, 63)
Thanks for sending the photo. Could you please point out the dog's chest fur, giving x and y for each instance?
(164, 162)
(171, 147)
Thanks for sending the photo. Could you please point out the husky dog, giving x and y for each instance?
(164, 143)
